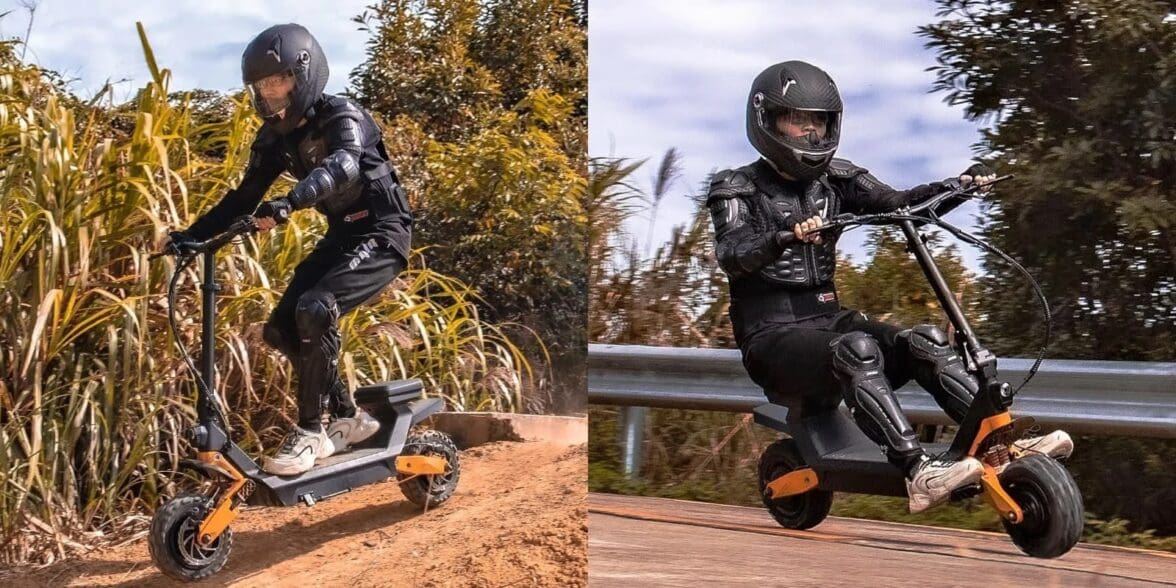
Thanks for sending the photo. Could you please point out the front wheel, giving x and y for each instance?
(802, 511)
(172, 540)
(425, 490)
(1050, 502)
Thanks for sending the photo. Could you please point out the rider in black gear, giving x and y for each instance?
(797, 342)
(336, 151)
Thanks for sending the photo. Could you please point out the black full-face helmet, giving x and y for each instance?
(285, 70)
(794, 118)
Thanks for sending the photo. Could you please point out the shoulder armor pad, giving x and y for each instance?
(337, 107)
(844, 168)
(731, 184)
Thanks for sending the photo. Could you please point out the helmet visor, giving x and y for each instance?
(806, 130)
(272, 94)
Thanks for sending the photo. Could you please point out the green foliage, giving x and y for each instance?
(676, 298)
(1082, 99)
(690, 455)
(94, 397)
(1082, 96)
(892, 287)
(487, 116)
(1117, 532)
(972, 514)
(520, 232)
(1101, 465)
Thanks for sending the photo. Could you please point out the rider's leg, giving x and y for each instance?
(360, 272)
(318, 341)
(307, 441)
(925, 352)
(921, 352)
(858, 365)
(939, 370)
(792, 364)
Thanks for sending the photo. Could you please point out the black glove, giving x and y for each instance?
(974, 173)
(177, 242)
(278, 209)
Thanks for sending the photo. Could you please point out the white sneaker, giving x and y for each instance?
(344, 432)
(934, 479)
(1057, 445)
(298, 452)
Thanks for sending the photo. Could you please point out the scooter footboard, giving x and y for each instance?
(424, 408)
(371, 461)
(772, 416)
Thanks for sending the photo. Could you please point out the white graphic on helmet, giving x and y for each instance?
(784, 91)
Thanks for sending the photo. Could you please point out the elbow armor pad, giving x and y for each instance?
(338, 171)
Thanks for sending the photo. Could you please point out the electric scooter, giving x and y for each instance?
(190, 535)
(825, 452)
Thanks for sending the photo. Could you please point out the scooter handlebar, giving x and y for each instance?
(848, 219)
(243, 224)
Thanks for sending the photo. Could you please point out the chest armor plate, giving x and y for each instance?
(802, 264)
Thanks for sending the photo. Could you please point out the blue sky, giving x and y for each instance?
(676, 74)
(200, 41)
(662, 74)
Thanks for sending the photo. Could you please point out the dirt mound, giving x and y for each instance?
(518, 518)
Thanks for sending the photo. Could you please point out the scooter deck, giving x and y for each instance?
(373, 461)
(844, 459)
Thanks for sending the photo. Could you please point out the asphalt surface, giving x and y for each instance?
(636, 541)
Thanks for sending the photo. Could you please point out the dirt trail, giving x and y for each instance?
(518, 518)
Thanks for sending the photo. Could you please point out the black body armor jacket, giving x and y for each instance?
(339, 158)
(774, 284)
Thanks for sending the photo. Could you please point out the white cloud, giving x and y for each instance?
(200, 41)
(676, 74)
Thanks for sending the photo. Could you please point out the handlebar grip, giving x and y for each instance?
(784, 238)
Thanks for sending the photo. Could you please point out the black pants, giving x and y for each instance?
(792, 361)
(337, 277)
(794, 364)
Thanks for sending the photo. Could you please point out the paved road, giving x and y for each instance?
(637, 541)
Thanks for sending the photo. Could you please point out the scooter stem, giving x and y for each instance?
(983, 360)
(205, 412)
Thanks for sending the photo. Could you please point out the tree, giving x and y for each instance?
(892, 286)
(1082, 95)
(486, 108)
(1082, 99)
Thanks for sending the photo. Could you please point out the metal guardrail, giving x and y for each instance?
(1097, 397)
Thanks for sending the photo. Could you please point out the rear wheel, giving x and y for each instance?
(1050, 502)
(172, 540)
(425, 490)
(801, 511)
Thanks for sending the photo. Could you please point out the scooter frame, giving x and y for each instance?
(240, 480)
(841, 458)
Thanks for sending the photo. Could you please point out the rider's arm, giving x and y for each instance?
(264, 168)
(339, 170)
(861, 192)
(739, 247)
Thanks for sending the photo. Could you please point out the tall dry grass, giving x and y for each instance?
(93, 394)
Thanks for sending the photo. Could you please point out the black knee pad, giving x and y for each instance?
(940, 371)
(315, 315)
(281, 339)
(857, 364)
